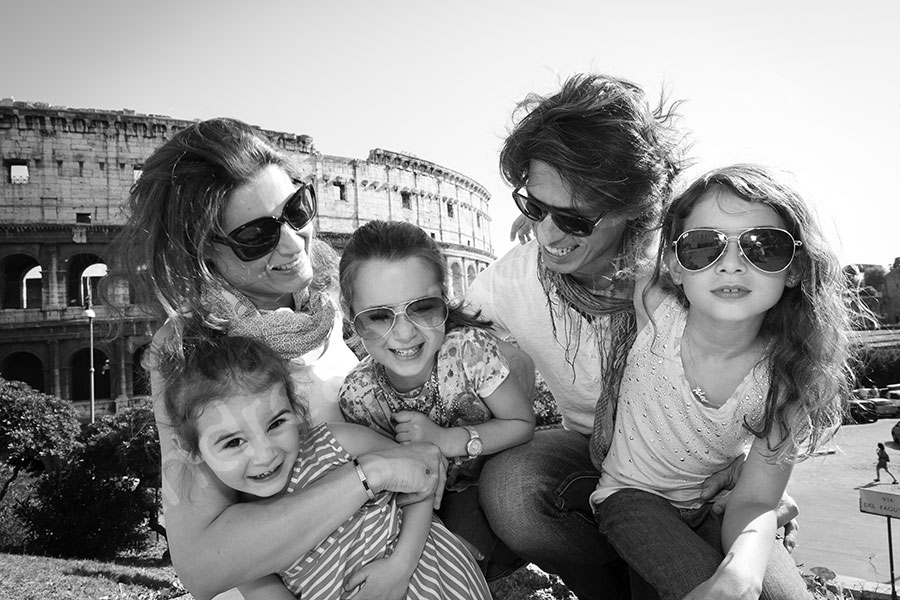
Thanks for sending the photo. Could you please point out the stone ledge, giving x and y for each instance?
(861, 589)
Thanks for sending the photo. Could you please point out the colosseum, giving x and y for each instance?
(66, 174)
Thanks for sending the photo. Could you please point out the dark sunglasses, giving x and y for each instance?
(769, 249)
(566, 221)
(260, 236)
(377, 322)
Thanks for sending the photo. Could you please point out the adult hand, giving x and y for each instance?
(718, 485)
(418, 469)
(722, 480)
(791, 533)
(521, 228)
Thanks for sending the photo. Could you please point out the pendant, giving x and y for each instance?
(699, 394)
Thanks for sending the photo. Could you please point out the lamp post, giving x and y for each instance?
(90, 314)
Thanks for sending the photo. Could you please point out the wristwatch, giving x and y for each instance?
(474, 446)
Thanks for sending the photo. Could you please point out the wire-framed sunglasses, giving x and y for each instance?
(769, 249)
(567, 221)
(258, 237)
(374, 323)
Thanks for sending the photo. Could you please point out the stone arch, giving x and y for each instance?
(470, 274)
(18, 287)
(84, 279)
(140, 378)
(81, 373)
(25, 367)
(456, 281)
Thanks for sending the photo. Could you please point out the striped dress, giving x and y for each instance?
(446, 570)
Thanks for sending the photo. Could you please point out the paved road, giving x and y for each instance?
(833, 532)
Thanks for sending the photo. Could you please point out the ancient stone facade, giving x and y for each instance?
(66, 175)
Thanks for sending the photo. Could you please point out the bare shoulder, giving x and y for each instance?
(357, 439)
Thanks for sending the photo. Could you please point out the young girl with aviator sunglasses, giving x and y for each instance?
(433, 373)
(743, 339)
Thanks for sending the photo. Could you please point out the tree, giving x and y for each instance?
(873, 276)
(37, 431)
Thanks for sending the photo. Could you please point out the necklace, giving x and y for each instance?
(425, 400)
(696, 390)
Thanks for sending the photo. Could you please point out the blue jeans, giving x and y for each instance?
(677, 550)
(535, 497)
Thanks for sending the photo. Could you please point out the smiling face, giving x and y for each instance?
(407, 352)
(586, 259)
(267, 281)
(731, 289)
(250, 440)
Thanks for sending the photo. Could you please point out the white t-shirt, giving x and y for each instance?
(509, 293)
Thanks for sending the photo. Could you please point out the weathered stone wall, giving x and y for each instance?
(66, 177)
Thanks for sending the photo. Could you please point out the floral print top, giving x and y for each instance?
(469, 368)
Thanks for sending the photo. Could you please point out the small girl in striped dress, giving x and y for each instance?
(234, 408)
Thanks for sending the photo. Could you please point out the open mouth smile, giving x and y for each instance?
(266, 475)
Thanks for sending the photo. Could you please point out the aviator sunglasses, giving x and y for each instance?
(769, 249)
(566, 221)
(377, 322)
(258, 237)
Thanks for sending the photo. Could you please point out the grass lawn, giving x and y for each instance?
(138, 577)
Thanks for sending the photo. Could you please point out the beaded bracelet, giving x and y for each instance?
(362, 478)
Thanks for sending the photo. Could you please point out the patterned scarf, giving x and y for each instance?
(613, 335)
(291, 333)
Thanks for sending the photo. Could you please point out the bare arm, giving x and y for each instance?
(217, 544)
(748, 529)
(269, 587)
(388, 577)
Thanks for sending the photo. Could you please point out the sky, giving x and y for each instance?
(805, 86)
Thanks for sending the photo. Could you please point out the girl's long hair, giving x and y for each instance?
(394, 241)
(807, 330)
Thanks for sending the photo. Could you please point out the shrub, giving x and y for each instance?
(98, 504)
(545, 410)
(71, 513)
(879, 366)
(37, 430)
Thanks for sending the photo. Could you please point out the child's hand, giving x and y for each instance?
(382, 579)
(415, 427)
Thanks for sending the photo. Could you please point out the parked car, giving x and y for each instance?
(885, 407)
(861, 411)
(895, 432)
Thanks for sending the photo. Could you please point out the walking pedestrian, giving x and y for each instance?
(883, 460)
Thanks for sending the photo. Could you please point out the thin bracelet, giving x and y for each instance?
(362, 478)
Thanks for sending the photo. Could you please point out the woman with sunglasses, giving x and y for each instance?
(433, 372)
(590, 166)
(742, 339)
(221, 233)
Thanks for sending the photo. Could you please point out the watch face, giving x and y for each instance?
(474, 447)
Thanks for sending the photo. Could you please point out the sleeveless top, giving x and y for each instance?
(665, 440)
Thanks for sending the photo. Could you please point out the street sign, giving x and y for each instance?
(877, 502)
(886, 504)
